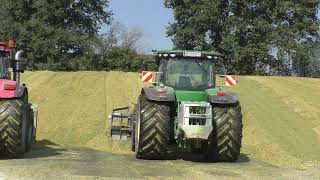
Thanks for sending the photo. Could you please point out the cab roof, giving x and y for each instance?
(188, 54)
(181, 52)
(4, 47)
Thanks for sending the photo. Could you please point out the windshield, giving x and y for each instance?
(189, 74)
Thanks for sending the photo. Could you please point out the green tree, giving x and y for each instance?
(118, 49)
(55, 32)
(255, 34)
(314, 67)
(121, 59)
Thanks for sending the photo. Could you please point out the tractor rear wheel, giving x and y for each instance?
(13, 127)
(152, 133)
(225, 141)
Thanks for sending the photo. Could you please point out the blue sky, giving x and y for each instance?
(148, 15)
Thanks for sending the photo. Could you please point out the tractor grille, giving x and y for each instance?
(197, 110)
(197, 122)
(195, 114)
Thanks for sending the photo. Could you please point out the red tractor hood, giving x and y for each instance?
(8, 89)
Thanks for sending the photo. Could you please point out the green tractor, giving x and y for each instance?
(184, 108)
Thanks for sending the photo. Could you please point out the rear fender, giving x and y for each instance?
(153, 95)
(229, 98)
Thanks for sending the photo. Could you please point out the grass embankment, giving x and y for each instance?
(281, 115)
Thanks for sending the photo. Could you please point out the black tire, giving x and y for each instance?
(13, 127)
(152, 133)
(225, 141)
(29, 135)
(33, 123)
(134, 118)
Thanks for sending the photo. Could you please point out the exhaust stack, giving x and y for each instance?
(17, 58)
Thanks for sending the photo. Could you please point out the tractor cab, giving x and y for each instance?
(183, 70)
(5, 51)
(185, 75)
(11, 67)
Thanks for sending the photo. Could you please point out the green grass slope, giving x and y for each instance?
(281, 115)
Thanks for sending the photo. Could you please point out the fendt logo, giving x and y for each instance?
(147, 76)
(231, 80)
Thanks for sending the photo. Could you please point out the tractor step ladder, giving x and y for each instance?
(121, 124)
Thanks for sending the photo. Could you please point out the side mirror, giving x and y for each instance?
(223, 71)
(149, 65)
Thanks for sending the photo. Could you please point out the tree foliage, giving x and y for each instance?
(53, 32)
(122, 59)
(314, 66)
(259, 36)
(118, 49)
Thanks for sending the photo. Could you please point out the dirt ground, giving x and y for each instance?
(48, 161)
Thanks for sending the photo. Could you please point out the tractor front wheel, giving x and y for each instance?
(14, 126)
(134, 118)
(152, 129)
(225, 140)
(30, 128)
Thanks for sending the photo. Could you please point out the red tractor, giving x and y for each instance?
(17, 117)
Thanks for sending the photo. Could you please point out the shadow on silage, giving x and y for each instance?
(243, 158)
(44, 148)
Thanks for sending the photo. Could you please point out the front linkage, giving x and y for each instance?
(121, 124)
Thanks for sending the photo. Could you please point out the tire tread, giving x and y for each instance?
(10, 127)
(228, 132)
(154, 129)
